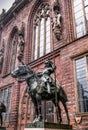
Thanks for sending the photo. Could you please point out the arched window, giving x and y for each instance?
(81, 17)
(11, 52)
(41, 42)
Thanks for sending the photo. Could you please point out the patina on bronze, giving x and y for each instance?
(42, 87)
(2, 109)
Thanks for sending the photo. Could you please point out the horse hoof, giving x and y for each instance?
(35, 120)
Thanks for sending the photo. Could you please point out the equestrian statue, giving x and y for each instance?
(42, 87)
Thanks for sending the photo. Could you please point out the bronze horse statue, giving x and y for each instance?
(2, 109)
(38, 93)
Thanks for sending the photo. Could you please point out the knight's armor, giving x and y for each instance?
(49, 69)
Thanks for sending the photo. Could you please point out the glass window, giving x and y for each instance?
(77, 2)
(82, 83)
(13, 53)
(42, 38)
(36, 43)
(41, 32)
(78, 8)
(48, 35)
(86, 2)
(5, 97)
(81, 17)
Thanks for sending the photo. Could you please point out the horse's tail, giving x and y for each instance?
(63, 94)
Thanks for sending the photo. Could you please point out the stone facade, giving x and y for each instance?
(65, 50)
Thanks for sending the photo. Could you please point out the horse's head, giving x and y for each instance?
(22, 71)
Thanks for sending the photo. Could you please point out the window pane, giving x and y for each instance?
(80, 26)
(77, 2)
(79, 14)
(5, 97)
(78, 8)
(48, 35)
(8, 103)
(80, 21)
(82, 84)
(42, 38)
(79, 34)
(42, 20)
(86, 10)
(79, 17)
(86, 2)
(48, 27)
(36, 43)
(13, 53)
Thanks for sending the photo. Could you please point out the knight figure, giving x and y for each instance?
(48, 70)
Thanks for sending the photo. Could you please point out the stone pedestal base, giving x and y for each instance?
(9, 128)
(44, 129)
(2, 128)
(47, 126)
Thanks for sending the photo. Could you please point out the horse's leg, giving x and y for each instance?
(66, 110)
(36, 110)
(39, 108)
(1, 119)
(35, 106)
(58, 112)
(38, 97)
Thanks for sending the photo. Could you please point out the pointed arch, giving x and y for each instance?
(30, 24)
(26, 111)
(11, 49)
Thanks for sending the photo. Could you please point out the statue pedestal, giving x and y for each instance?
(2, 128)
(47, 126)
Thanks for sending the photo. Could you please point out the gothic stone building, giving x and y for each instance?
(48, 29)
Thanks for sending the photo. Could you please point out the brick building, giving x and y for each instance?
(54, 29)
